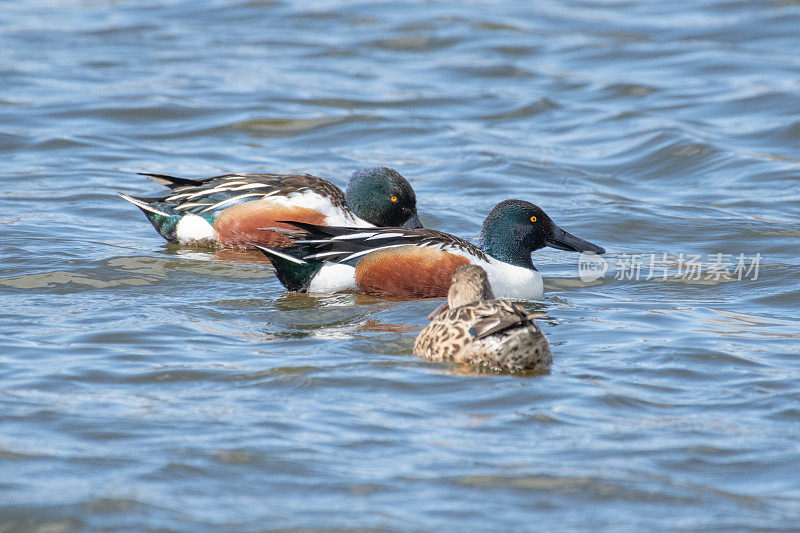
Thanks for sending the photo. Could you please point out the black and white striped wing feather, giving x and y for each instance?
(339, 244)
(219, 192)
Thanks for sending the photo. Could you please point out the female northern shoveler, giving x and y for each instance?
(229, 210)
(475, 329)
(418, 263)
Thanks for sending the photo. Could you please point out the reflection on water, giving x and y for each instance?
(730, 324)
(150, 386)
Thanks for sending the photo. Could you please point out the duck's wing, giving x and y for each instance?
(216, 193)
(340, 244)
(499, 315)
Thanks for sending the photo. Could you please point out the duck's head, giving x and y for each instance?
(515, 228)
(382, 197)
(469, 284)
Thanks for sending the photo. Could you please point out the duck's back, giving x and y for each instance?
(217, 193)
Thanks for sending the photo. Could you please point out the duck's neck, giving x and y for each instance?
(508, 245)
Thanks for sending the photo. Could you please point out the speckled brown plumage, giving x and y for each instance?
(476, 329)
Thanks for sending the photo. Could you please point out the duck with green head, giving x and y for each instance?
(419, 263)
(229, 211)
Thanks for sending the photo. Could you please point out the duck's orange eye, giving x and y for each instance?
(393, 198)
(533, 218)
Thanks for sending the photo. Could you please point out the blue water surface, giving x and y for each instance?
(145, 386)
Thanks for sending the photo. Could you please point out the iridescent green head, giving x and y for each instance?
(382, 197)
(515, 228)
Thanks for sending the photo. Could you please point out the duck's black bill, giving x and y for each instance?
(412, 222)
(563, 240)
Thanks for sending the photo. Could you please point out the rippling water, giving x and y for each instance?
(146, 386)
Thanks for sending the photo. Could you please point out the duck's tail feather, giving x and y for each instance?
(163, 219)
(171, 181)
(295, 274)
(143, 203)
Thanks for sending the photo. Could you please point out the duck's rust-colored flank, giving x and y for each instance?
(390, 272)
(239, 225)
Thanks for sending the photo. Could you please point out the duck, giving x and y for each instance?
(227, 211)
(474, 328)
(419, 263)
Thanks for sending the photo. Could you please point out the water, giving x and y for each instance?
(145, 386)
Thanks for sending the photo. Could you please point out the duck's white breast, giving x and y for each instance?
(509, 281)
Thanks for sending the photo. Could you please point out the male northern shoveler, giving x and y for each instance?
(418, 263)
(229, 210)
(475, 329)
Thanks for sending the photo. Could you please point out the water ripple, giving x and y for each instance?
(150, 386)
